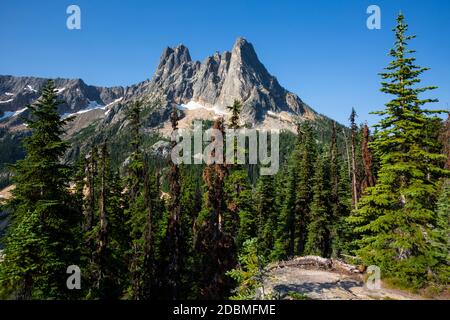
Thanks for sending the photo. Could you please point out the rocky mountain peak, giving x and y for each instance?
(172, 58)
(221, 78)
(244, 50)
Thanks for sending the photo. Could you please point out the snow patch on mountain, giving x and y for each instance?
(7, 101)
(30, 88)
(10, 114)
(59, 90)
(192, 105)
(92, 105)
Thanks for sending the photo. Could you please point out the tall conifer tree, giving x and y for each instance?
(396, 217)
(42, 240)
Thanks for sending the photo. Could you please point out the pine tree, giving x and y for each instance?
(190, 204)
(304, 193)
(151, 199)
(441, 235)
(285, 228)
(441, 231)
(396, 216)
(285, 184)
(338, 199)
(267, 210)
(213, 245)
(239, 218)
(235, 110)
(291, 229)
(174, 228)
(318, 239)
(42, 240)
(250, 273)
(135, 202)
(105, 266)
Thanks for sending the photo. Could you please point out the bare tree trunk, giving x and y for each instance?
(348, 155)
(369, 177)
(355, 193)
(103, 233)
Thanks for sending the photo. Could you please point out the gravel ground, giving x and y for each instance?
(326, 285)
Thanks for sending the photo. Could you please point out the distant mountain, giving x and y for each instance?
(212, 84)
(201, 90)
(17, 92)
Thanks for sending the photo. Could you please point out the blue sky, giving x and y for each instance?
(319, 49)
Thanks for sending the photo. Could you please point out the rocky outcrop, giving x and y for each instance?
(317, 278)
(222, 78)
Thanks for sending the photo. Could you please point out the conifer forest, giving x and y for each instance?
(133, 224)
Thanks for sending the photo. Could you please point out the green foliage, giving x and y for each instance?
(318, 240)
(240, 218)
(250, 271)
(267, 211)
(396, 217)
(43, 238)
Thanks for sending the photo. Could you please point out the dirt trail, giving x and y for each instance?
(321, 280)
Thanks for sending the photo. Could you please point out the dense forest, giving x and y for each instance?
(153, 229)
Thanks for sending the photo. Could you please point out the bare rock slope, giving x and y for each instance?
(318, 278)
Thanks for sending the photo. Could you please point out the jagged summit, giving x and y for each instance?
(221, 78)
(211, 84)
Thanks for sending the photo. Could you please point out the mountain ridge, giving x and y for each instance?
(215, 82)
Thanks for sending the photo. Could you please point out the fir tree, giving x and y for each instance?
(174, 227)
(135, 202)
(213, 245)
(239, 218)
(266, 208)
(318, 239)
(395, 217)
(303, 192)
(235, 110)
(42, 240)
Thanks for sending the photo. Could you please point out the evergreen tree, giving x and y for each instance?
(190, 204)
(42, 240)
(338, 199)
(267, 210)
(250, 273)
(239, 218)
(285, 228)
(318, 239)
(291, 230)
(304, 193)
(441, 235)
(136, 203)
(441, 232)
(395, 217)
(235, 110)
(213, 245)
(174, 227)
(106, 265)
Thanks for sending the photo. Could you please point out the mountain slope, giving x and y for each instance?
(201, 90)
